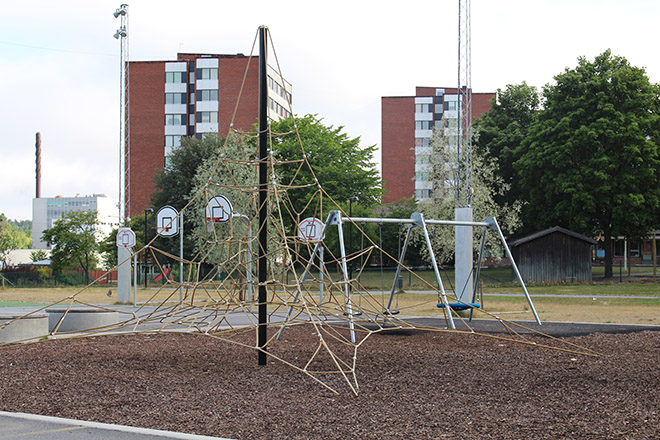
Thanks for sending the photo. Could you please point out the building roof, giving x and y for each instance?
(549, 231)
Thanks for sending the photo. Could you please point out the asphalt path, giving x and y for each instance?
(30, 426)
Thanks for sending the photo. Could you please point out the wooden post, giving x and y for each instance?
(653, 256)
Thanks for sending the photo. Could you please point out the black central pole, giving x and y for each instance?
(262, 332)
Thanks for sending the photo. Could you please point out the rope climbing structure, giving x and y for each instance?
(299, 277)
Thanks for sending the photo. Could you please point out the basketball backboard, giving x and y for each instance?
(310, 229)
(167, 221)
(218, 210)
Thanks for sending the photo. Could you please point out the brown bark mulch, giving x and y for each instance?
(413, 385)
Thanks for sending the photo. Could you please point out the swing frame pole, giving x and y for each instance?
(347, 280)
(399, 265)
(418, 217)
(317, 248)
(496, 227)
(478, 270)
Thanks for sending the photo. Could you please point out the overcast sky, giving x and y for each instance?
(60, 64)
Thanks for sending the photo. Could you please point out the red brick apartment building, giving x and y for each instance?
(190, 96)
(407, 126)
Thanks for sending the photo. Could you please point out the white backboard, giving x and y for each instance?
(125, 237)
(167, 221)
(310, 229)
(218, 210)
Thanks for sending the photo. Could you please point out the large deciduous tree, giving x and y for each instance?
(73, 238)
(485, 185)
(174, 183)
(591, 160)
(500, 133)
(343, 168)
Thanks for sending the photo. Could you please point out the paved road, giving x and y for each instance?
(29, 426)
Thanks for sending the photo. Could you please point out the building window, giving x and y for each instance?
(277, 88)
(207, 73)
(173, 141)
(175, 77)
(277, 108)
(422, 194)
(634, 248)
(423, 125)
(423, 108)
(175, 119)
(450, 105)
(207, 117)
(619, 248)
(175, 98)
(422, 142)
(207, 95)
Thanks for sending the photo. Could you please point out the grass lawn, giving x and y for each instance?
(598, 305)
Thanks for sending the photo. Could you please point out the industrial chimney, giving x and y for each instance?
(38, 170)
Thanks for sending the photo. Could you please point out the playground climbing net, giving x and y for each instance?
(311, 279)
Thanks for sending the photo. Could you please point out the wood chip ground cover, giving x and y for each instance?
(413, 385)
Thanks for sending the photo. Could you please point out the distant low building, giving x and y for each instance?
(47, 210)
(22, 257)
(554, 255)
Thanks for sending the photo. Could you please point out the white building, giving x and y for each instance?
(47, 210)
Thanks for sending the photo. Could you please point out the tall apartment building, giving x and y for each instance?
(190, 96)
(47, 210)
(407, 124)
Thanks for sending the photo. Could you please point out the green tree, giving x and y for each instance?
(341, 166)
(592, 159)
(175, 183)
(230, 172)
(108, 246)
(394, 235)
(499, 135)
(486, 185)
(38, 255)
(11, 237)
(73, 241)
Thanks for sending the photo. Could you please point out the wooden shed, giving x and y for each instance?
(554, 255)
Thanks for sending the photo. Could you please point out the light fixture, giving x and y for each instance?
(120, 33)
(120, 11)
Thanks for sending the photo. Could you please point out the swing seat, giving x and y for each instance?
(390, 312)
(458, 306)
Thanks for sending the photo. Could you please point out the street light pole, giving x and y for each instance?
(146, 211)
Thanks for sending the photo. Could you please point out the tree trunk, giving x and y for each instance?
(607, 235)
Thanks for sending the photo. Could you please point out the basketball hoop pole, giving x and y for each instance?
(262, 332)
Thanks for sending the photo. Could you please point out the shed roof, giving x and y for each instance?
(549, 231)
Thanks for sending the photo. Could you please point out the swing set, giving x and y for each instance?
(416, 220)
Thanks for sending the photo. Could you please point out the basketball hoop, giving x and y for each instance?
(210, 223)
(161, 229)
(167, 221)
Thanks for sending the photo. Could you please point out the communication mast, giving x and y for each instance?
(464, 256)
(124, 121)
(464, 138)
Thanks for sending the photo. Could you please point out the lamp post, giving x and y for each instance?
(124, 126)
(146, 211)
